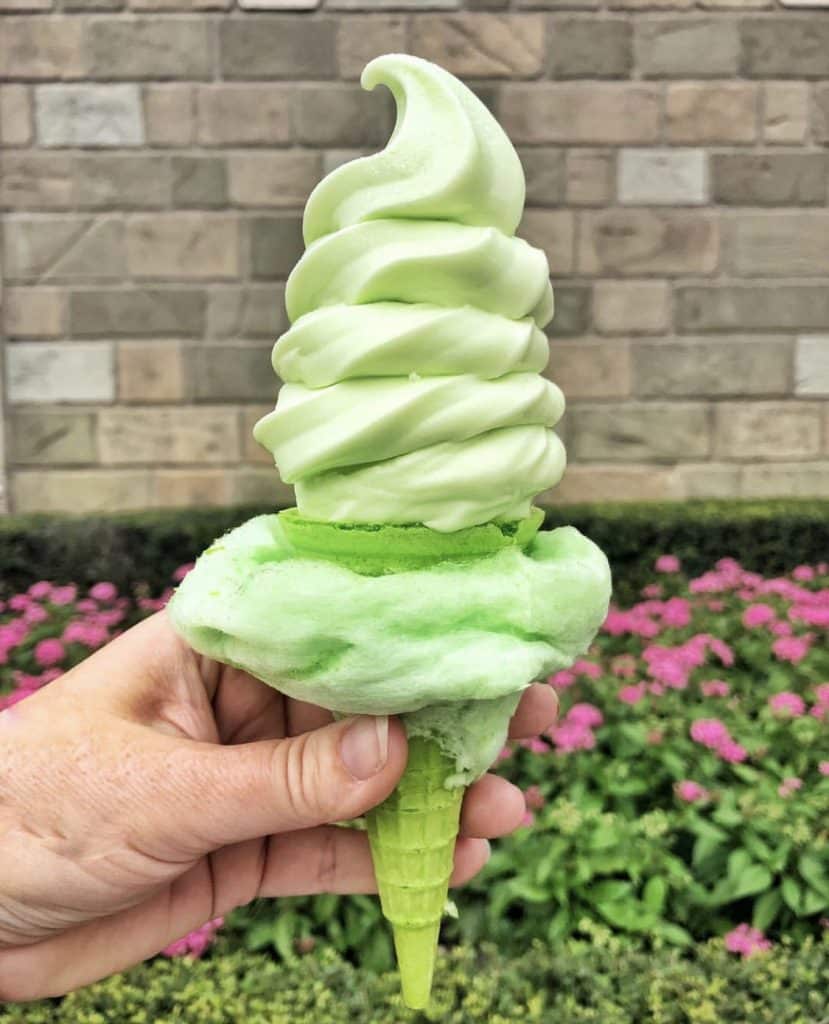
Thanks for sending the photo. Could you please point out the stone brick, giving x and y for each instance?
(785, 47)
(183, 245)
(698, 367)
(662, 176)
(169, 114)
(130, 182)
(481, 45)
(603, 482)
(257, 486)
(150, 371)
(794, 479)
(752, 307)
(199, 181)
(821, 113)
(33, 312)
(103, 313)
(572, 316)
(811, 376)
(711, 112)
(552, 231)
(148, 47)
(635, 242)
(257, 115)
(276, 245)
(184, 5)
(252, 451)
(386, 5)
(41, 48)
(767, 430)
(36, 180)
(763, 179)
(545, 173)
(785, 112)
(280, 178)
(278, 47)
(653, 431)
(254, 311)
(7, 6)
(52, 437)
(63, 248)
(578, 112)
(736, 5)
(335, 115)
(15, 115)
(638, 307)
(192, 488)
(163, 436)
(707, 480)
(81, 491)
(93, 5)
(590, 176)
(590, 48)
(642, 5)
(88, 115)
(688, 46)
(74, 371)
(781, 243)
(363, 37)
(232, 373)
(590, 369)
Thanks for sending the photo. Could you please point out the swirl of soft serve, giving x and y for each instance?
(413, 389)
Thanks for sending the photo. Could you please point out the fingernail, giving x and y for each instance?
(365, 746)
(488, 850)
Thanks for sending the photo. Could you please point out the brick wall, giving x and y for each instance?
(157, 156)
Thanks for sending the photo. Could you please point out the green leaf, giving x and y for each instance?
(610, 891)
(813, 902)
(283, 934)
(324, 907)
(674, 934)
(560, 926)
(629, 915)
(766, 909)
(812, 870)
(757, 848)
(754, 879)
(654, 894)
(705, 848)
(792, 895)
(738, 861)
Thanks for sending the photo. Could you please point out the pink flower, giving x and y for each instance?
(746, 940)
(803, 573)
(721, 649)
(103, 592)
(633, 693)
(812, 615)
(781, 629)
(732, 752)
(182, 571)
(19, 602)
(535, 745)
(822, 693)
(89, 634)
(823, 767)
(710, 732)
(758, 615)
(691, 792)
(715, 605)
(561, 680)
(652, 590)
(196, 942)
(587, 668)
(504, 754)
(676, 612)
(64, 595)
(586, 715)
(527, 819)
(789, 786)
(788, 703)
(569, 736)
(667, 563)
(715, 688)
(40, 590)
(534, 798)
(49, 652)
(35, 614)
(791, 648)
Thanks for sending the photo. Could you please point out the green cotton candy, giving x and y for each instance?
(449, 646)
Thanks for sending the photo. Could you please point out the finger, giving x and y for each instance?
(537, 710)
(305, 717)
(247, 709)
(218, 795)
(492, 807)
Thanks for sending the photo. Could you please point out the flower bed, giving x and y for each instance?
(683, 795)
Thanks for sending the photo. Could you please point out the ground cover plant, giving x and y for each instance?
(682, 799)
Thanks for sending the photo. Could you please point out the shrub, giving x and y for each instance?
(593, 982)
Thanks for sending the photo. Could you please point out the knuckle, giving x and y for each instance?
(298, 773)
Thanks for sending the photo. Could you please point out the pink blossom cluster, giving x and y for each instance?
(575, 730)
(746, 941)
(714, 734)
(579, 669)
(715, 688)
(787, 703)
(821, 705)
(196, 942)
(691, 792)
(789, 785)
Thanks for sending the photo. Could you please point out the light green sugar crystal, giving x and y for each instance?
(449, 646)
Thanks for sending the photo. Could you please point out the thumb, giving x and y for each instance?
(234, 793)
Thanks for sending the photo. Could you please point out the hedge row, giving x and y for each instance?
(767, 537)
(584, 984)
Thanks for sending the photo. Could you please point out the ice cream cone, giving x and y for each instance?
(412, 836)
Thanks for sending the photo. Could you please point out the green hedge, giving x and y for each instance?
(587, 983)
(768, 537)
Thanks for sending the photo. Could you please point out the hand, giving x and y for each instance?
(150, 789)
